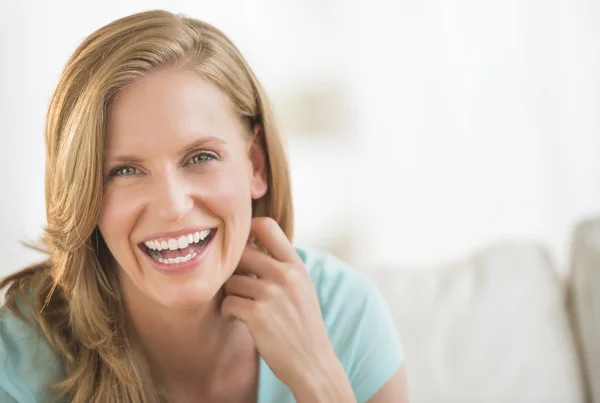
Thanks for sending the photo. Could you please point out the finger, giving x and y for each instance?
(244, 286)
(256, 262)
(243, 271)
(272, 237)
(237, 307)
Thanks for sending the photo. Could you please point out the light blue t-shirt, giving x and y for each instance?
(358, 321)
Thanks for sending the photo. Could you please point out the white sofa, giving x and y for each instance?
(501, 326)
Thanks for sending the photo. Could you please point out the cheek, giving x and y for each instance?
(228, 198)
(228, 195)
(117, 218)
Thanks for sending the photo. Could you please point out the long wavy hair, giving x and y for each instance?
(74, 296)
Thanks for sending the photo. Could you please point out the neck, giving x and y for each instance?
(185, 346)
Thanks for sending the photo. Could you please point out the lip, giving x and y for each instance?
(179, 268)
(163, 236)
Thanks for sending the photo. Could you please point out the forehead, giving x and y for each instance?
(169, 107)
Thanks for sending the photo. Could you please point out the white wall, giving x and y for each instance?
(456, 123)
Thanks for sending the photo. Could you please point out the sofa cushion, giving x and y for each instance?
(492, 328)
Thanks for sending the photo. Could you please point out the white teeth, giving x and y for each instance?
(179, 259)
(180, 243)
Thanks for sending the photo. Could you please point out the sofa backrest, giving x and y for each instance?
(585, 297)
(490, 329)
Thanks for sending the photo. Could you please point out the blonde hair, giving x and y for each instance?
(72, 296)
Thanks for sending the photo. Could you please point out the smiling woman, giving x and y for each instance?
(171, 276)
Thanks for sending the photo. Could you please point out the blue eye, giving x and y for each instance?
(202, 158)
(123, 171)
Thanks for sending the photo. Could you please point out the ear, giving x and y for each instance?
(258, 159)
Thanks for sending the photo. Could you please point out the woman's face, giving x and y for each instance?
(180, 176)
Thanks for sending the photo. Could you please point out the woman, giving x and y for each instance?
(171, 276)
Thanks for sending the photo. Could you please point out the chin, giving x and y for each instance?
(187, 296)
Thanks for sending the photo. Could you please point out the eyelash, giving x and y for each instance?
(207, 156)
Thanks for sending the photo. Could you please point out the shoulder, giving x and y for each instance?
(26, 358)
(358, 321)
(331, 276)
(341, 289)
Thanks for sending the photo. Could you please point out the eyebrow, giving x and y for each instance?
(133, 159)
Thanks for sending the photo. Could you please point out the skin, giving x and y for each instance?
(177, 157)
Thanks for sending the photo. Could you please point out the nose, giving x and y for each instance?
(172, 197)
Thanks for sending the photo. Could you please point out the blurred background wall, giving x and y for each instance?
(417, 130)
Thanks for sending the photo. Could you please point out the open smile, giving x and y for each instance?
(175, 251)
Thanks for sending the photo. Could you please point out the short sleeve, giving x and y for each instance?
(371, 352)
(359, 322)
(11, 388)
(7, 393)
(5, 397)
(27, 364)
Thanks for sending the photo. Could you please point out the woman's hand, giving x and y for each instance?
(274, 296)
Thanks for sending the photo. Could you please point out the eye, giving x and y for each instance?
(202, 158)
(123, 171)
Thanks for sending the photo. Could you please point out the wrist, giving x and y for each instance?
(328, 383)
